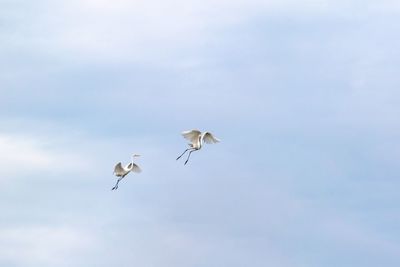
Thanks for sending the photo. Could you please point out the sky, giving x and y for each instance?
(304, 96)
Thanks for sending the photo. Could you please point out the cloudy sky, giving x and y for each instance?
(303, 94)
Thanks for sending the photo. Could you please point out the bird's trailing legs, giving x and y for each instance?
(189, 155)
(116, 185)
(183, 153)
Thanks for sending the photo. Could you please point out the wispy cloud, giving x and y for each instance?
(303, 95)
(25, 153)
(43, 245)
(141, 31)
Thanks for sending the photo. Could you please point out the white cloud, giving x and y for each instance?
(42, 245)
(141, 30)
(150, 31)
(25, 153)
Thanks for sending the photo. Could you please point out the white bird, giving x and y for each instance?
(197, 140)
(121, 172)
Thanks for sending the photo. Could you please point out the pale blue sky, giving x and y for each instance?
(303, 94)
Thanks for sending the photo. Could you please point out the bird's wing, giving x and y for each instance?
(118, 169)
(191, 135)
(136, 168)
(209, 138)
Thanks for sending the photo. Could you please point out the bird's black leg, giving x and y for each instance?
(182, 154)
(189, 155)
(116, 185)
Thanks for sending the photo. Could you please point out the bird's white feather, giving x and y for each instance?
(209, 138)
(136, 168)
(118, 169)
(191, 135)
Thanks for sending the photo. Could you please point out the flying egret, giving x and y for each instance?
(197, 140)
(121, 172)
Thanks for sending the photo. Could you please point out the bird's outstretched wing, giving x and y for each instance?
(209, 138)
(136, 168)
(191, 135)
(118, 170)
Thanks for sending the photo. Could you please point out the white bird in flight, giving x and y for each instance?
(121, 172)
(197, 140)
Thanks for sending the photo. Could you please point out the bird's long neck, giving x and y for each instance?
(200, 141)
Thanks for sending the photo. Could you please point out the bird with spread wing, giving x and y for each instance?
(197, 139)
(121, 171)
